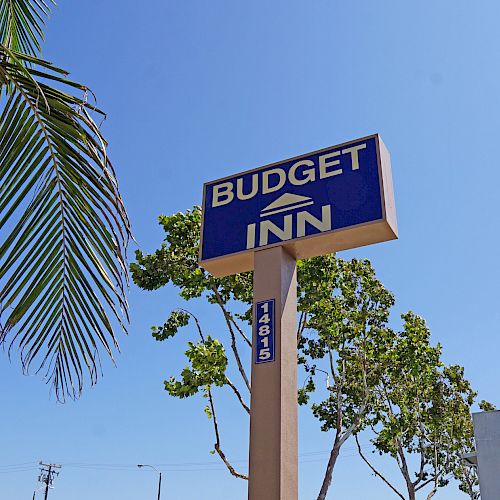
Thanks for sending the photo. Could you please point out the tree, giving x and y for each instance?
(176, 262)
(346, 315)
(342, 308)
(393, 384)
(421, 413)
(63, 224)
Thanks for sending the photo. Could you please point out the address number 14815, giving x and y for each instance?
(264, 331)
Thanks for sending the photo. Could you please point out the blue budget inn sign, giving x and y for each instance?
(333, 199)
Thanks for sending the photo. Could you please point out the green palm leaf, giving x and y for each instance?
(21, 24)
(63, 263)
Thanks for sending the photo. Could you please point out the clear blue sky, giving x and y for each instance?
(198, 90)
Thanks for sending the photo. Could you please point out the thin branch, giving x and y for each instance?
(198, 326)
(238, 395)
(376, 472)
(420, 476)
(336, 380)
(338, 389)
(400, 457)
(240, 331)
(229, 383)
(217, 440)
(302, 326)
(234, 347)
(434, 478)
(423, 485)
(388, 400)
(432, 493)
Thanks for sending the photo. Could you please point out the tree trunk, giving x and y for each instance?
(411, 491)
(406, 474)
(329, 470)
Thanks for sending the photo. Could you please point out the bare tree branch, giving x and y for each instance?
(198, 326)
(425, 483)
(420, 476)
(234, 347)
(302, 326)
(217, 445)
(432, 493)
(228, 381)
(240, 330)
(238, 395)
(376, 472)
(434, 478)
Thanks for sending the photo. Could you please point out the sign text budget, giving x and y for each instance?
(328, 200)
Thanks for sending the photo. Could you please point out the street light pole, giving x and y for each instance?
(159, 479)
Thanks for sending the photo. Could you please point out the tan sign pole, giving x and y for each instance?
(273, 466)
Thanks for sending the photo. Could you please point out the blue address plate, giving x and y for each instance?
(264, 326)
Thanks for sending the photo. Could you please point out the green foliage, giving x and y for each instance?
(63, 224)
(347, 325)
(304, 392)
(408, 393)
(393, 382)
(22, 23)
(421, 408)
(176, 320)
(177, 262)
(486, 406)
(208, 412)
(208, 366)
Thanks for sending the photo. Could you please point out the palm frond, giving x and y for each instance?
(22, 23)
(63, 262)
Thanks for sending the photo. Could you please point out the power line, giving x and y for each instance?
(11, 471)
(17, 465)
(305, 458)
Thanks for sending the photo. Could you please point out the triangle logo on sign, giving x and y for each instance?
(286, 202)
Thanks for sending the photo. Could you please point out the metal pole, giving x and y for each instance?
(159, 479)
(273, 464)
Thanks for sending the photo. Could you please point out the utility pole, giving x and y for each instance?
(47, 473)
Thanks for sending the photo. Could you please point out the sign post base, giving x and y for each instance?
(273, 465)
